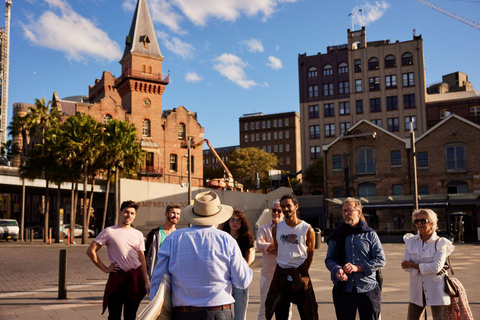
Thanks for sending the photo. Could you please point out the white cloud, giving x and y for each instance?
(193, 77)
(274, 63)
(129, 5)
(231, 67)
(254, 45)
(277, 48)
(64, 30)
(177, 46)
(371, 12)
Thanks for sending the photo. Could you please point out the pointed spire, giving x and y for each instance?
(141, 38)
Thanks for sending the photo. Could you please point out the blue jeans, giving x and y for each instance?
(241, 303)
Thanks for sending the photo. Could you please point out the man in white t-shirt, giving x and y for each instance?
(127, 273)
(295, 242)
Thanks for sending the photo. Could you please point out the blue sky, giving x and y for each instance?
(225, 57)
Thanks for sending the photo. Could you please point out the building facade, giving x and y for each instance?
(277, 133)
(210, 161)
(379, 81)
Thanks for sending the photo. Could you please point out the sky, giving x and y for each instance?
(225, 58)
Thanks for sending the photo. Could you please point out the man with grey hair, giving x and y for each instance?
(353, 257)
(269, 254)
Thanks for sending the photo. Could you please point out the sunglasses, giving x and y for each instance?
(276, 210)
(233, 220)
(349, 211)
(420, 221)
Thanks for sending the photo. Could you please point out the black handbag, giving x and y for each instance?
(450, 287)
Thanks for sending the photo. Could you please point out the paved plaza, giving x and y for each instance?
(29, 282)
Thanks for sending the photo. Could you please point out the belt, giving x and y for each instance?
(187, 309)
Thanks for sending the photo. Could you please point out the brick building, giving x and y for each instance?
(277, 133)
(136, 96)
(211, 162)
(375, 165)
(380, 81)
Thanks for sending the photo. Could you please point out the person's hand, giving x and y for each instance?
(147, 288)
(408, 264)
(271, 249)
(341, 275)
(351, 268)
(112, 268)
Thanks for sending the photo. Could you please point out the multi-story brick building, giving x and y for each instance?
(376, 166)
(380, 81)
(277, 133)
(210, 161)
(136, 96)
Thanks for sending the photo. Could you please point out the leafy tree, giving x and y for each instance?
(314, 176)
(10, 148)
(245, 163)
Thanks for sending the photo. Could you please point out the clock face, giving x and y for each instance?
(147, 102)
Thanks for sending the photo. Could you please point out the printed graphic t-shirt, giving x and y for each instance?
(292, 244)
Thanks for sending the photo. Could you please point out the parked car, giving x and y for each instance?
(9, 229)
(37, 232)
(78, 230)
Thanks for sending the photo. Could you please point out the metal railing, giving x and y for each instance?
(155, 77)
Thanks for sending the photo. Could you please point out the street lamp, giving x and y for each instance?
(414, 155)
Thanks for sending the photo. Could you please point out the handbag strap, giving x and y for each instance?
(449, 263)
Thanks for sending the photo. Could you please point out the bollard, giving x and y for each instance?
(68, 236)
(32, 233)
(49, 235)
(318, 238)
(62, 274)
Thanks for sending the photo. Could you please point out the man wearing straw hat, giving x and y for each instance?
(202, 262)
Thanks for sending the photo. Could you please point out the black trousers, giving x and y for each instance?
(368, 304)
(118, 300)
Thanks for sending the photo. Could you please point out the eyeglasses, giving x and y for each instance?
(276, 210)
(420, 221)
(233, 220)
(349, 211)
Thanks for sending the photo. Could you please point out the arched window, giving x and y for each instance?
(457, 187)
(367, 189)
(342, 67)
(327, 70)
(373, 63)
(144, 68)
(390, 61)
(146, 128)
(107, 118)
(407, 59)
(149, 69)
(181, 131)
(312, 72)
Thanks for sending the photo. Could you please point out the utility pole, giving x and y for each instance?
(189, 145)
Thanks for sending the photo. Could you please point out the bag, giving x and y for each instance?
(450, 287)
(379, 278)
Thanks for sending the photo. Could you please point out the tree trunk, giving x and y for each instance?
(47, 209)
(58, 222)
(105, 207)
(85, 226)
(72, 214)
(117, 196)
(90, 202)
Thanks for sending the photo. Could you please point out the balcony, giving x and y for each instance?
(152, 77)
(150, 171)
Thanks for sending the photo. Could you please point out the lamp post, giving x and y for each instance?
(189, 145)
(414, 155)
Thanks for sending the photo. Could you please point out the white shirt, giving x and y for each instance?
(264, 240)
(431, 261)
(292, 244)
(203, 263)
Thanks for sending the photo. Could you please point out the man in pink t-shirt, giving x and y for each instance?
(127, 273)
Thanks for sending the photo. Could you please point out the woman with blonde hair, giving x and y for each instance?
(424, 259)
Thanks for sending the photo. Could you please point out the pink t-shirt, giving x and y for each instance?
(123, 246)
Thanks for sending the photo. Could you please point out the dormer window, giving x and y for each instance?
(145, 40)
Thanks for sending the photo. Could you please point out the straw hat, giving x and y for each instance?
(207, 210)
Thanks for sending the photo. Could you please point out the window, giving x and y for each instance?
(287, 135)
(337, 192)
(457, 187)
(422, 159)
(408, 80)
(107, 118)
(397, 190)
(269, 136)
(280, 147)
(268, 124)
(409, 101)
(342, 68)
(181, 131)
(269, 149)
(252, 126)
(344, 107)
(330, 130)
(358, 85)
(358, 65)
(287, 147)
(264, 136)
(287, 160)
(275, 148)
(344, 126)
(315, 152)
(365, 161)
(280, 160)
(391, 81)
(343, 87)
(313, 91)
(312, 72)
(275, 135)
(206, 161)
(475, 111)
(314, 132)
(149, 160)
(367, 189)
(409, 119)
(374, 83)
(392, 124)
(445, 113)
(280, 123)
(336, 162)
(328, 110)
(455, 158)
(274, 123)
(378, 122)
(389, 61)
(257, 136)
(392, 103)
(407, 59)
(264, 149)
(280, 135)
(246, 138)
(286, 122)
(146, 128)
(246, 126)
(373, 64)
(173, 162)
(395, 158)
(264, 124)
(423, 190)
(359, 106)
(327, 70)
(253, 138)
(328, 89)
(375, 105)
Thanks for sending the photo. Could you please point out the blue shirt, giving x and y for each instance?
(203, 263)
(364, 250)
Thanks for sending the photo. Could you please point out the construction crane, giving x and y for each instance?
(453, 15)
